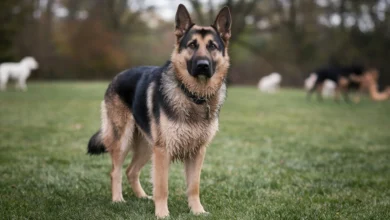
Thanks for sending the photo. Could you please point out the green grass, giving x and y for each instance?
(275, 157)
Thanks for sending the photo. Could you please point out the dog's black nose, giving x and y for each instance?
(203, 65)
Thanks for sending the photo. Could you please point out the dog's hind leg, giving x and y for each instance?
(142, 153)
(118, 131)
(118, 154)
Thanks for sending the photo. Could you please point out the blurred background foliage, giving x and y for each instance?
(95, 39)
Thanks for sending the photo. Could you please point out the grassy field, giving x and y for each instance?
(275, 157)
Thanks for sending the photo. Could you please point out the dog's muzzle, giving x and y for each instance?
(202, 67)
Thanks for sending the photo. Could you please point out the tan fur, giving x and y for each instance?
(161, 161)
(193, 166)
(119, 150)
(106, 126)
(175, 135)
(115, 116)
(149, 104)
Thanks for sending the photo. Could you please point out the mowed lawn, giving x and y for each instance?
(275, 157)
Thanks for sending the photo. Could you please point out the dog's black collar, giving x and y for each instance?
(196, 99)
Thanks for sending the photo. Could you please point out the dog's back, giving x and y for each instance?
(11, 69)
(121, 94)
(357, 70)
(334, 73)
(330, 73)
(125, 84)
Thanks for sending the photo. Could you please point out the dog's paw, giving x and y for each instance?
(143, 196)
(161, 209)
(162, 214)
(118, 199)
(203, 212)
(198, 210)
(196, 207)
(148, 197)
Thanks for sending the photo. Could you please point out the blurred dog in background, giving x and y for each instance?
(346, 79)
(18, 72)
(270, 83)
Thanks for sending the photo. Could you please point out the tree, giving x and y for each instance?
(11, 15)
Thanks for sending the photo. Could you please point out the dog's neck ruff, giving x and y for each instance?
(196, 99)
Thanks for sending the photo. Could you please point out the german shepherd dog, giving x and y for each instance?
(167, 113)
(347, 78)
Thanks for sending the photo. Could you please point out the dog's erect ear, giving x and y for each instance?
(223, 23)
(182, 21)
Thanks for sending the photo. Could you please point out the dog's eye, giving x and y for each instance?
(212, 46)
(192, 45)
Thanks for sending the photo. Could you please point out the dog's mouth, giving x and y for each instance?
(203, 78)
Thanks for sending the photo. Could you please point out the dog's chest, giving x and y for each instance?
(182, 139)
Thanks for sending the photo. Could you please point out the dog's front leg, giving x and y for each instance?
(193, 167)
(161, 161)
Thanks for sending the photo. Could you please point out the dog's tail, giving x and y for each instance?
(95, 145)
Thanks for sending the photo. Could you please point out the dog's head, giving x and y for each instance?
(30, 63)
(200, 57)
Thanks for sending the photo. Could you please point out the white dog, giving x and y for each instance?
(270, 83)
(17, 71)
(328, 89)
